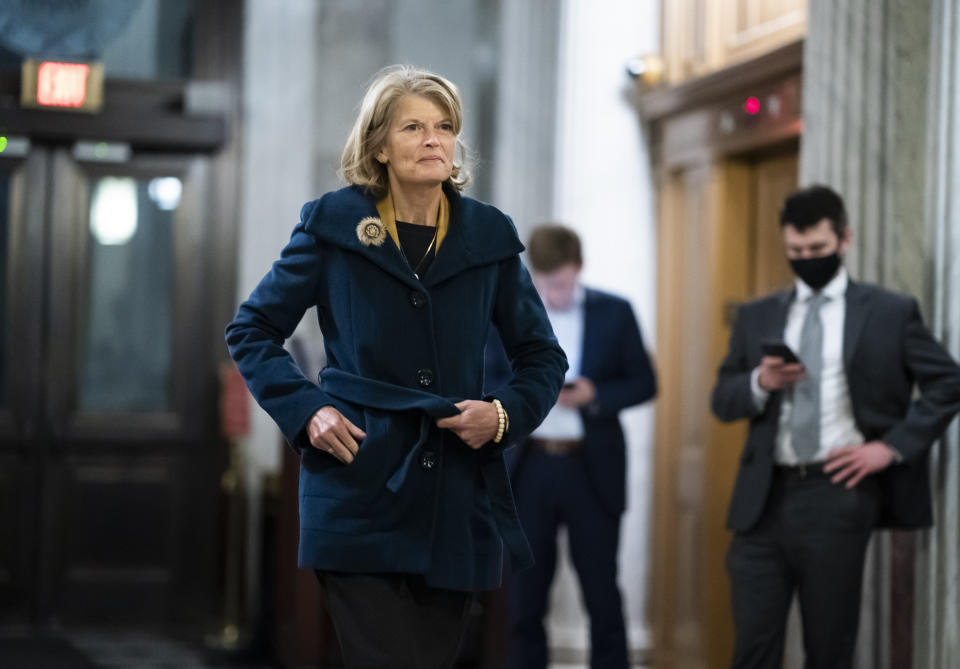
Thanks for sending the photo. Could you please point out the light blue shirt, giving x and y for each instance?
(563, 422)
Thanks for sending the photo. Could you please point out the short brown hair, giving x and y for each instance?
(552, 246)
(358, 163)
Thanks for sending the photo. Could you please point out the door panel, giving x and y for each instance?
(112, 538)
(5, 179)
(773, 179)
(108, 437)
(21, 288)
(125, 418)
(128, 289)
(718, 245)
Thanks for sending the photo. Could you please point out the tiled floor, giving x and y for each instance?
(126, 651)
(586, 666)
(136, 651)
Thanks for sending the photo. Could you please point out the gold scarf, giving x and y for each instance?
(389, 218)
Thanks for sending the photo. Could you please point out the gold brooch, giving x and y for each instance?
(371, 231)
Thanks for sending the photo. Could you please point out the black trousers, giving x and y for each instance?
(553, 490)
(811, 541)
(394, 620)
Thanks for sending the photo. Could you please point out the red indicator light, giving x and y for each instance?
(752, 106)
(62, 84)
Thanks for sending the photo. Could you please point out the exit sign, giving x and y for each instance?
(62, 86)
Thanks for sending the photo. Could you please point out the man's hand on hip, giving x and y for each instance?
(855, 462)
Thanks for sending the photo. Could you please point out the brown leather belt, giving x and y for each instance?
(557, 446)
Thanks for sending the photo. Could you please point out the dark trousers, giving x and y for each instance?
(553, 490)
(394, 620)
(810, 541)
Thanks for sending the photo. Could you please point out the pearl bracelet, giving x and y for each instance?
(501, 420)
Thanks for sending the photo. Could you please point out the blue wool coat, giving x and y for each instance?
(400, 353)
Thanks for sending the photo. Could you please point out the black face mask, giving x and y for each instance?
(817, 272)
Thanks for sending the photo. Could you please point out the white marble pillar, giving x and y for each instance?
(937, 618)
(865, 75)
(522, 164)
(278, 129)
(865, 96)
(603, 188)
(278, 118)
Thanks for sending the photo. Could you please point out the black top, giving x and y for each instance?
(414, 241)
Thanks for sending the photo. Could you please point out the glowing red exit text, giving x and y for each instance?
(62, 84)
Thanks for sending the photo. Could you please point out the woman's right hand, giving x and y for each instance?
(330, 431)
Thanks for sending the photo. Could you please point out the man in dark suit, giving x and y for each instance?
(838, 442)
(571, 470)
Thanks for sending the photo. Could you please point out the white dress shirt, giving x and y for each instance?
(564, 422)
(837, 425)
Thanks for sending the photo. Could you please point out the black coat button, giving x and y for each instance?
(425, 378)
(428, 460)
(418, 299)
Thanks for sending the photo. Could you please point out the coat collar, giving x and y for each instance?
(478, 234)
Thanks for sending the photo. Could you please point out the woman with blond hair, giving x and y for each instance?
(405, 505)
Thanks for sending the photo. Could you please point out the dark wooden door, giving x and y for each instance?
(109, 460)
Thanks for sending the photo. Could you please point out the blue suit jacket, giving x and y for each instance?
(615, 359)
(400, 352)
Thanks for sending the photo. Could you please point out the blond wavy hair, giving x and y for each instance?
(358, 163)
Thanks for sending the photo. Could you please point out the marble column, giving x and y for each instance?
(523, 152)
(865, 125)
(865, 89)
(603, 189)
(937, 620)
(276, 117)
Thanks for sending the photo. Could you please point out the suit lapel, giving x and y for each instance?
(774, 326)
(854, 320)
(590, 324)
(777, 322)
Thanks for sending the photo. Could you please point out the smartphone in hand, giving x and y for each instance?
(776, 348)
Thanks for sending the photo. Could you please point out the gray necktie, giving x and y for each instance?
(805, 415)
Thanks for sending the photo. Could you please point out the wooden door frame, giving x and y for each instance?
(172, 451)
(696, 124)
(700, 126)
(70, 242)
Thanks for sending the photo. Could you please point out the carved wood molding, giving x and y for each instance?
(659, 103)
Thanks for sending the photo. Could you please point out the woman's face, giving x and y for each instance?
(420, 144)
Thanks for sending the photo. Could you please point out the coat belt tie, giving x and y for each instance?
(390, 397)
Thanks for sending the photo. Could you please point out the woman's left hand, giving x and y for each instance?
(476, 424)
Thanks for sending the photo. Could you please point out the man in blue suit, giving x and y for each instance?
(571, 470)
